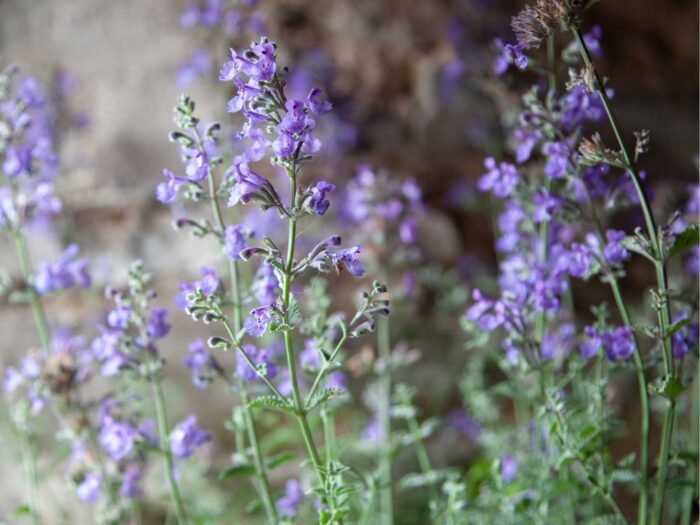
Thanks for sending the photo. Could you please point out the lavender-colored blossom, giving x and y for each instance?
(509, 468)
(509, 54)
(526, 140)
(199, 65)
(619, 343)
(558, 343)
(614, 251)
(90, 488)
(208, 284)
(131, 483)
(318, 202)
(557, 164)
(260, 320)
(235, 241)
(13, 379)
(166, 192)
(373, 433)
(117, 438)
(487, 313)
(592, 342)
(346, 259)
(186, 437)
(309, 357)
(465, 425)
(685, 339)
(202, 363)
(501, 180)
(262, 358)
(266, 286)
(408, 230)
(580, 260)
(315, 105)
(119, 317)
(158, 326)
(288, 505)
(66, 272)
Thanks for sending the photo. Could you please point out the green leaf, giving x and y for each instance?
(323, 396)
(280, 459)
(622, 475)
(685, 240)
(23, 510)
(271, 402)
(677, 326)
(294, 315)
(219, 342)
(237, 470)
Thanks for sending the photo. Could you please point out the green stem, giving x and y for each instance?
(385, 484)
(422, 454)
(263, 485)
(29, 461)
(687, 509)
(661, 277)
(643, 506)
(163, 432)
(37, 308)
(300, 410)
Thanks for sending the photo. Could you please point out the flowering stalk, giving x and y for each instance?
(385, 484)
(263, 485)
(662, 281)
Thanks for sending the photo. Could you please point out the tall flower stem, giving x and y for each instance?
(163, 432)
(385, 485)
(263, 485)
(661, 277)
(299, 408)
(37, 308)
(29, 461)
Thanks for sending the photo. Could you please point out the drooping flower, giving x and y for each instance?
(288, 505)
(500, 180)
(260, 320)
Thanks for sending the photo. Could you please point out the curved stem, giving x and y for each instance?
(163, 432)
(661, 277)
(29, 461)
(385, 485)
(263, 485)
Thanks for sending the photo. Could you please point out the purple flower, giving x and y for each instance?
(13, 379)
(373, 432)
(527, 140)
(614, 252)
(317, 200)
(186, 437)
(500, 180)
(249, 185)
(158, 326)
(166, 192)
(198, 66)
(261, 318)
(131, 483)
(266, 286)
(203, 365)
(559, 343)
(580, 260)
(557, 163)
(316, 106)
(117, 438)
(346, 259)
(408, 230)
(509, 468)
(487, 313)
(591, 344)
(619, 343)
(288, 505)
(295, 119)
(65, 272)
(235, 241)
(685, 339)
(262, 358)
(545, 205)
(119, 317)
(510, 54)
(208, 284)
(89, 489)
(309, 358)
(465, 425)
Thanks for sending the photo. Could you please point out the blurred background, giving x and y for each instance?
(413, 93)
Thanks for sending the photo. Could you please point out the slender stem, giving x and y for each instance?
(385, 484)
(288, 344)
(661, 277)
(643, 506)
(263, 485)
(687, 509)
(422, 454)
(163, 432)
(37, 308)
(29, 461)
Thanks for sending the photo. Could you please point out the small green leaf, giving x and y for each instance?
(271, 402)
(677, 326)
(237, 470)
(219, 342)
(323, 396)
(23, 510)
(685, 240)
(280, 459)
(622, 475)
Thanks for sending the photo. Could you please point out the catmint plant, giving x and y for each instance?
(554, 229)
(281, 130)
